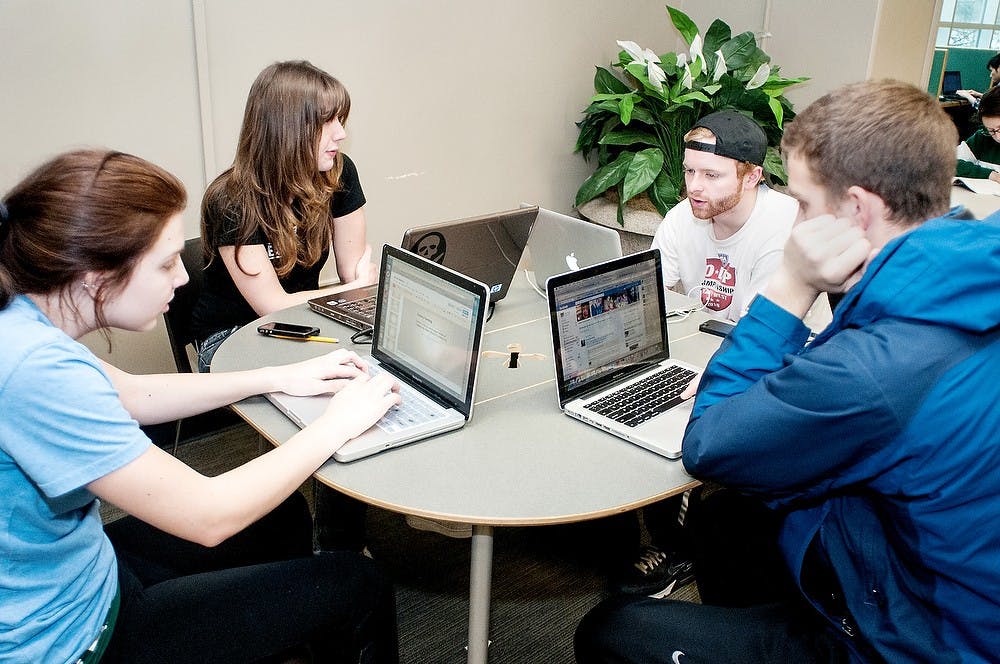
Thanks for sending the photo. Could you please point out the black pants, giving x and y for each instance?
(259, 594)
(752, 611)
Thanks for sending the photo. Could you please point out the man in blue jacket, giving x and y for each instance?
(878, 444)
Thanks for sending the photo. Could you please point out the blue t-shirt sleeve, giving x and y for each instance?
(64, 422)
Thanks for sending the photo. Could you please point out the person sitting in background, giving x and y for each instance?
(979, 154)
(993, 67)
(206, 568)
(720, 244)
(723, 241)
(269, 222)
(873, 446)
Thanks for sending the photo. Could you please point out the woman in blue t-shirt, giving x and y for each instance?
(206, 568)
(270, 221)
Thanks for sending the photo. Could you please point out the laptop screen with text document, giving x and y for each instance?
(425, 330)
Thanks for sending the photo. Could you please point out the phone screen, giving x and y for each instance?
(288, 330)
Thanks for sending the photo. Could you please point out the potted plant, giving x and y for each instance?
(636, 122)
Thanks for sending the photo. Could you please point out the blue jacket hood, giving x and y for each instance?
(932, 278)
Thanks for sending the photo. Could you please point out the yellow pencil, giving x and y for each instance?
(328, 340)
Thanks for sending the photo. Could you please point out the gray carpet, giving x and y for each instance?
(544, 579)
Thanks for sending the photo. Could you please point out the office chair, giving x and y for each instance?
(178, 318)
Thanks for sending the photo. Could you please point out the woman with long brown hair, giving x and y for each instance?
(270, 221)
(205, 568)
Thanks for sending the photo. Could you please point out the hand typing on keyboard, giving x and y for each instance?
(692, 387)
(359, 404)
(412, 410)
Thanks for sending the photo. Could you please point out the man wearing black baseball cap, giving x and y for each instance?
(721, 244)
(724, 240)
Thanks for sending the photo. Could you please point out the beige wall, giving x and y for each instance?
(458, 106)
(903, 41)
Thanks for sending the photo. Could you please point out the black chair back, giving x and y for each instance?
(178, 317)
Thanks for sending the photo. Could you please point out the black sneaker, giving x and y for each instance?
(655, 573)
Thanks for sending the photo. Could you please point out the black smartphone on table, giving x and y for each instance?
(276, 329)
(719, 328)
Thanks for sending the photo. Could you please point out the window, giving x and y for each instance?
(970, 24)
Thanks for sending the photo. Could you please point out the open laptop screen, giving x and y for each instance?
(951, 81)
(427, 326)
(486, 248)
(609, 320)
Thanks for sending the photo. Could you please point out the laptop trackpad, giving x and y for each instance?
(665, 432)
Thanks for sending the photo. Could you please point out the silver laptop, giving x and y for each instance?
(613, 366)
(486, 248)
(428, 332)
(560, 243)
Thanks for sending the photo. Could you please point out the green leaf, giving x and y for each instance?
(629, 137)
(718, 34)
(711, 89)
(696, 68)
(691, 96)
(663, 193)
(638, 71)
(606, 106)
(775, 86)
(604, 178)
(608, 83)
(591, 129)
(606, 97)
(642, 115)
(738, 50)
(668, 63)
(642, 170)
(729, 94)
(625, 107)
(684, 24)
(775, 167)
(776, 109)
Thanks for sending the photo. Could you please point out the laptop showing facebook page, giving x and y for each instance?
(428, 331)
(613, 366)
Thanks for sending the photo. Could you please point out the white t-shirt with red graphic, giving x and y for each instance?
(725, 274)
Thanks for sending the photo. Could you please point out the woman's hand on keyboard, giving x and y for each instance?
(320, 375)
(360, 404)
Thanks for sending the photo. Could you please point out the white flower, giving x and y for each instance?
(696, 48)
(634, 50)
(686, 80)
(646, 57)
(720, 66)
(682, 60)
(760, 76)
(655, 74)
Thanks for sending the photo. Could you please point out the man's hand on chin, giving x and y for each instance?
(824, 254)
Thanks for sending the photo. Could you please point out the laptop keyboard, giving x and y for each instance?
(416, 409)
(363, 307)
(644, 399)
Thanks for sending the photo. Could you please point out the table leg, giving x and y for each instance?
(480, 580)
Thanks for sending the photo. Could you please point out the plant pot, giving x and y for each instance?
(641, 221)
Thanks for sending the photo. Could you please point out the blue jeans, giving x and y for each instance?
(207, 347)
